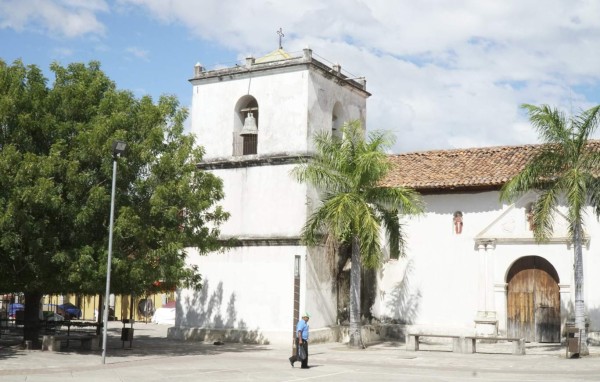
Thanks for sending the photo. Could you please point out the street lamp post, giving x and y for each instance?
(118, 151)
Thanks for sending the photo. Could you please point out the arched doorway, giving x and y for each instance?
(533, 300)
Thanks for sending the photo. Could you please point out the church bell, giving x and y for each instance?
(250, 127)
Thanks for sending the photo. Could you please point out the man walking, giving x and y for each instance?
(301, 342)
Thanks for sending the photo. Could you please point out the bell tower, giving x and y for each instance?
(256, 122)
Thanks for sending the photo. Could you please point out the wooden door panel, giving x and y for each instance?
(523, 281)
(547, 302)
(547, 324)
(520, 315)
(533, 301)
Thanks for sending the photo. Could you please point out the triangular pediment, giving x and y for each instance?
(512, 227)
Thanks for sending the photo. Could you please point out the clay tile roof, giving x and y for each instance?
(461, 169)
(475, 168)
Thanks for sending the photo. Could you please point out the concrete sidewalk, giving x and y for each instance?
(153, 357)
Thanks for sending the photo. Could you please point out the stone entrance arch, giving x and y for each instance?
(533, 300)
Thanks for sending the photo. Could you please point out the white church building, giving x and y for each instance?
(472, 264)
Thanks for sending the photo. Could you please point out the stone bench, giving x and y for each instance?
(518, 344)
(413, 341)
(465, 344)
(55, 342)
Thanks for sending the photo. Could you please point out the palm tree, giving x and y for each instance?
(564, 171)
(354, 206)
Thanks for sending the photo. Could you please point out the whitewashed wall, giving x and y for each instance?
(248, 288)
(282, 103)
(292, 106)
(323, 94)
(264, 201)
(320, 293)
(445, 280)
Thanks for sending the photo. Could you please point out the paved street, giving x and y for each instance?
(154, 358)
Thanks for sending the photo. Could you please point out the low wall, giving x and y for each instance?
(370, 334)
(225, 335)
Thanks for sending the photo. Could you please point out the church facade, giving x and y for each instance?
(472, 265)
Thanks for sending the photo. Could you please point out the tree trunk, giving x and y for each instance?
(579, 303)
(355, 274)
(31, 324)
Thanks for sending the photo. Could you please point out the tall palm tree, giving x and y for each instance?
(354, 206)
(564, 171)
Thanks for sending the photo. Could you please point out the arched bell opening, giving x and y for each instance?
(245, 134)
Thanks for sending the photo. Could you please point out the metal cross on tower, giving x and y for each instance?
(281, 35)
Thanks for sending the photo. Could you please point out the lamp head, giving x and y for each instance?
(118, 149)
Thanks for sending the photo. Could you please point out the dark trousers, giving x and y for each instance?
(295, 358)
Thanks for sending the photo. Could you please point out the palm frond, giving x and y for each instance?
(347, 173)
(321, 175)
(367, 229)
(542, 170)
(395, 236)
(314, 228)
(564, 167)
(594, 195)
(550, 123)
(404, 200)
(544, 210)
(586, 123)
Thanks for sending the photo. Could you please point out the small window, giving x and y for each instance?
(457, 222)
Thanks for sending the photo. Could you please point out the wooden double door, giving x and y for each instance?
(533, 300)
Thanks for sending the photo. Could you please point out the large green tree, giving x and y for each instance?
(355, 206)
(55, 187)
(564, 171)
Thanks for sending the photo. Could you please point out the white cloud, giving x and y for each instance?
(59, 18)
(60, 52)
(138, 53)
(443, 74)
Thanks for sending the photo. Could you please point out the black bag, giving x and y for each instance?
(301, 352)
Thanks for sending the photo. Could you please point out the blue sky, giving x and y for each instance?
(136, 51)
(443, 74)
